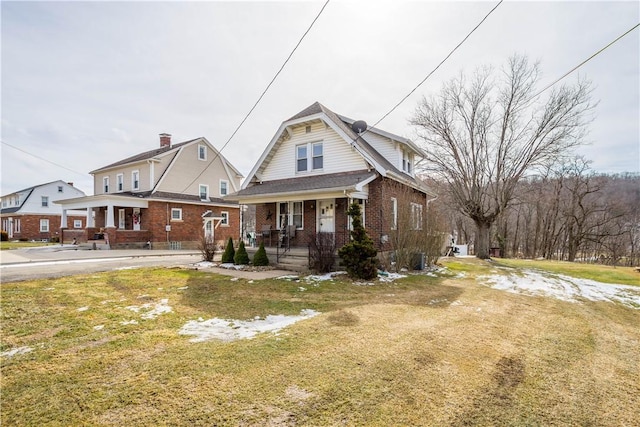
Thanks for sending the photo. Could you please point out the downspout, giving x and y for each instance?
(167, 222)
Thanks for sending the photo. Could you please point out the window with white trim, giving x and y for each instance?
(304, 152)
(203, 190)
(44, 225)
(416, 216)
(120, 182)
(105, 184)
(297, 215)
(225, 218)
(224, 187)
(176, 214)
(202, 152)
(16, 225)
(45, 201)
(394, 213)
(60, 189)
(135, 180)
(77, 223)
(362, 212)
(407, 162)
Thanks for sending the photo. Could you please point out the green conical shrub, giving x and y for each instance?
(359, 256)
(241, 257)
(261, 258)
(229, 253)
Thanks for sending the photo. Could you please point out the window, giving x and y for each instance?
(317, 156)
(225, 216)
(60, 189)
(297, 215)
(202, 152)
(16, 225)
(120, 181)
(394, 213)
(204, 192)
(407, 162)
(302, 157)
(45, 201)
(416, 216)
(44, 225)
(105, 184)
(283, 215)
(4, 203)
(176, 214)
(77, 223)
(135, 180)
(224, 187)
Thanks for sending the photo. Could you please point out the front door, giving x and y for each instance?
(326, 216)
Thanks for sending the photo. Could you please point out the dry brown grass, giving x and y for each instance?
(421, 351)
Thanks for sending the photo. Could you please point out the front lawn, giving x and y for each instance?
(437, 349)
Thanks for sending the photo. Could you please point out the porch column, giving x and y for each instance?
(90, 222)
(110, 222)
(63, 219)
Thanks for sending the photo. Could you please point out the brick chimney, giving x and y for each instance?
(165, 140)
(70, 183)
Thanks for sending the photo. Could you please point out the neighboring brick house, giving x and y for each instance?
(316, 165)
(31, 214)
(170, 196)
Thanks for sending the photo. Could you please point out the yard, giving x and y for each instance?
(474, 343)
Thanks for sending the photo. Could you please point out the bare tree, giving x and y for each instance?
(484, 134)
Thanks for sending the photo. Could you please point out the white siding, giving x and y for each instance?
(34, 203)
(338, 154)
(388, 148)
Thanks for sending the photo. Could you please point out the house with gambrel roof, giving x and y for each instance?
(169, 197)
(316, 165)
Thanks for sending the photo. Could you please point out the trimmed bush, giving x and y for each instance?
(261, 258)
(359, 256)
(229, 253)
(241, 257)
(4, 236)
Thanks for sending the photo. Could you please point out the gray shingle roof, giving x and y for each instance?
(307, 183)
(144, 156)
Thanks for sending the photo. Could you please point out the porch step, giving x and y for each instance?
(296, 263)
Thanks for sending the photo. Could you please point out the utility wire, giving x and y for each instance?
(42, 158)
(438, 66)
(583, 62)
(261, 95)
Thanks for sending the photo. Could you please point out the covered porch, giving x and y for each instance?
(112, 221)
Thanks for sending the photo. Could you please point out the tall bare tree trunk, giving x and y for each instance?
(483, 243)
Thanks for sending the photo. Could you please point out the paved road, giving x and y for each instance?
(58, 261)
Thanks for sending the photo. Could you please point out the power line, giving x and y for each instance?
(43, 159)
(584, 62)
(261, 95)
(438, 66)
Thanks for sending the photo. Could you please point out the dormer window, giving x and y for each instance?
(302, 157)
(407, 162)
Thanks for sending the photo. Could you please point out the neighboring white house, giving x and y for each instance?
(32, 214)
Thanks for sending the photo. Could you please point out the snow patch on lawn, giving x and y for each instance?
(16, 351)
(231, 330)
(390, 277)
(83, 309)
(565, 288)
(151, 310)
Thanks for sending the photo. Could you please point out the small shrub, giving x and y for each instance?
(241, 257)
(261, 258)
(229, 253)
(207, 248)
(322, 248)
(4, 236)
(359, 256)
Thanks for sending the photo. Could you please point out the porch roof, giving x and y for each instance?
(305, 186)
(139, 200)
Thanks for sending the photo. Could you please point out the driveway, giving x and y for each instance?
(59, 261)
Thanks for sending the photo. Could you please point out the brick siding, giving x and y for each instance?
(30, 226)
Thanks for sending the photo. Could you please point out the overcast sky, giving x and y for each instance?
(85, 84)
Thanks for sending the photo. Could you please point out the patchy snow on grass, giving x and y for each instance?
(324, 277)
(83, 309)
(231, 330)
(390, 277)
(204, 264)
(129, 322)
(231, 266)
(563, 287)
(151, 310)
(98, 327)
(16, 351)
(288, 277)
